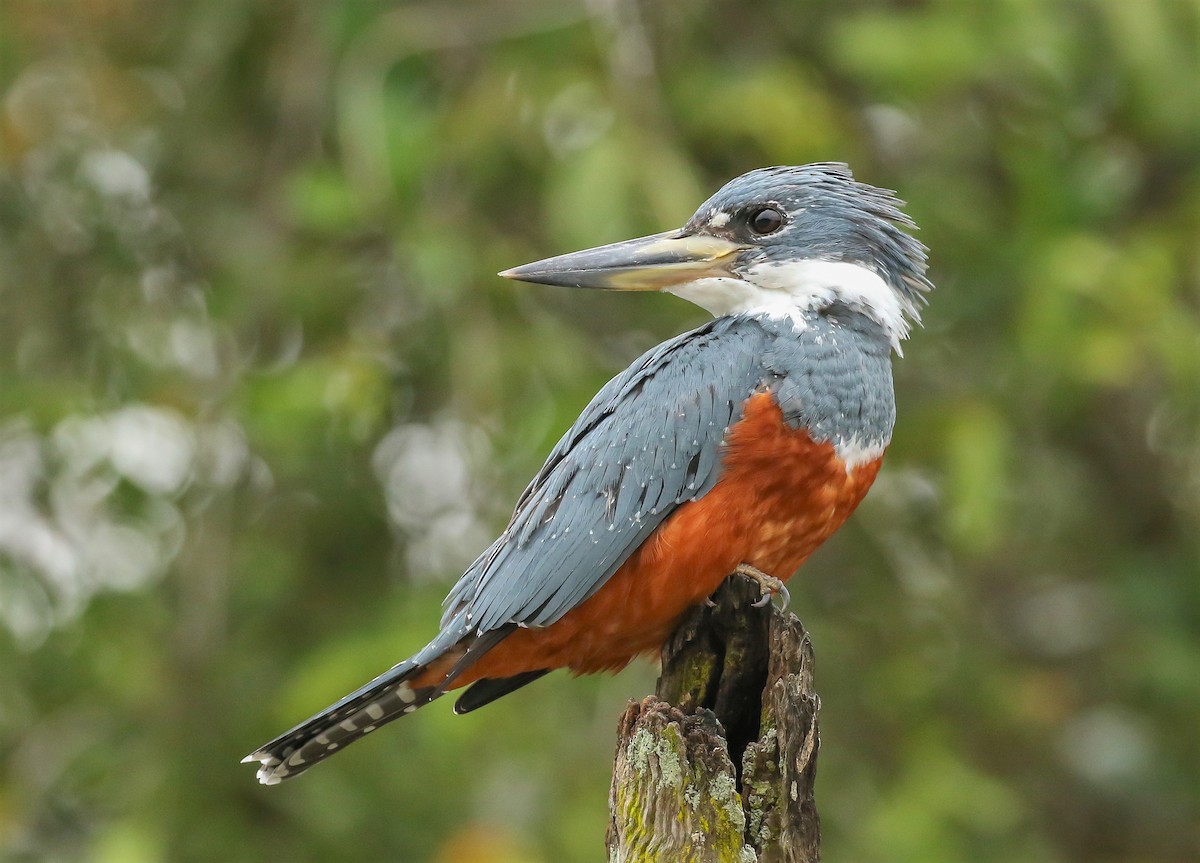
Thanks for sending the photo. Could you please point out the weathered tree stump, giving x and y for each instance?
(719, 765)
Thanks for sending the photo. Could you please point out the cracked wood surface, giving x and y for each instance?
(718, 766)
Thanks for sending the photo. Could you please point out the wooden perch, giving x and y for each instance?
(718, 766)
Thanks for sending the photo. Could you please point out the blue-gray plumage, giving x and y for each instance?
(756, 433)
(842, 221)
(650, 440)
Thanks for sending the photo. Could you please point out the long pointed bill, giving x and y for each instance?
(646, 264)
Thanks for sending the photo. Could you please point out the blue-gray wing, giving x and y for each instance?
(650, 440)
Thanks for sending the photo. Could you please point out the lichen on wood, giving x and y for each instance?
(719, 765)
(685, 805)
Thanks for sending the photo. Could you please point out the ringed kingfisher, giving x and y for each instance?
(740, 446)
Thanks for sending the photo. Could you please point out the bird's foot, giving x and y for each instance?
(768, 584)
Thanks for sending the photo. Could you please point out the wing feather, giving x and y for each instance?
(649, 441)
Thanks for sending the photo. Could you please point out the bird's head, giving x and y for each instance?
(779, 241)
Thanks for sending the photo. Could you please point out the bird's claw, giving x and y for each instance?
(768, 584)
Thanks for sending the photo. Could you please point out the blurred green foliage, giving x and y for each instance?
(261, 399)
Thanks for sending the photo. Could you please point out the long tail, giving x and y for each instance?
(385, 698)
(404, 688)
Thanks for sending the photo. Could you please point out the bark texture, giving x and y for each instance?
(719, 765)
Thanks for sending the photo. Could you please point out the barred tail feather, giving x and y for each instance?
(385, 698)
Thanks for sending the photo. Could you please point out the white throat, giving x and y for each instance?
(786, 289)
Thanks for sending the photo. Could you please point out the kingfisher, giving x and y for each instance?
(737, 447)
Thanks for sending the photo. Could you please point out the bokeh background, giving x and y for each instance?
(262, 398)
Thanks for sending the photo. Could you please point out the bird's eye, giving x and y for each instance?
(766, 220)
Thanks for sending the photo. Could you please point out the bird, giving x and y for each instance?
(737, 447)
